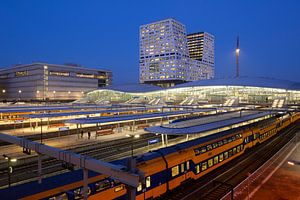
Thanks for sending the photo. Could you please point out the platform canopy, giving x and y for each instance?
(185, 128)
(136, 117)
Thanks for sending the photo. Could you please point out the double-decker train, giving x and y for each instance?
(164, 169)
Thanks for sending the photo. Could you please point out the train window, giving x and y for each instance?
(182, 167)
(78, 193)
(254, 136)
(220, 143)
(209, 147)
(175, 171)
(139, 187)
(197, 169)
(204, 166)
(215, 145)
(197, 152)
(234, 151)
(216, 160)
(119, 188)
(229, 140)
(238, 149)
(230, 153)
(242, 146)
(233, 138)
(102, 185)
(187, 165)
(203, 149)
(148, 181)
(59, 197)
(225, 141)
(225, 155)
(221, 157)
(210, 162)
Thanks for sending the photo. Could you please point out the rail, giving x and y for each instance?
(247, 188)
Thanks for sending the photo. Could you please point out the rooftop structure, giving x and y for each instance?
(44, 81)
(245, 89)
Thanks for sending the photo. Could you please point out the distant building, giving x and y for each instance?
(164, 55)
(44, 81)
(201, 47)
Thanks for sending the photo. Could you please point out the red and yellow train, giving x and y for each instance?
(166, 168)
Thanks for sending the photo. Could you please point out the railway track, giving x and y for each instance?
(107, 151)
(217, 183)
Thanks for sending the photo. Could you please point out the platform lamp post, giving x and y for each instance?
(41, 136)
(132, 138)
(20, 91)
(9, 167)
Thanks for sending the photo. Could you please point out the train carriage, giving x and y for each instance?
(167, 168)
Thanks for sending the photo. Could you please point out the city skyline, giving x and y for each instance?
(106, 35)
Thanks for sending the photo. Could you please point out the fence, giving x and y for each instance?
(247, 188)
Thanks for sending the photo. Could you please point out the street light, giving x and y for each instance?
(3, 91)
(132, 137)
(20, 91)
(9, 167)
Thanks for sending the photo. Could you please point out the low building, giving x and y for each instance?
(44, 81)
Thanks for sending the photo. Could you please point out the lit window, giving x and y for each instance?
(182, 167)
(139, 188)
(119, 188)
(204, 166)
(175, 171)
(216, 160)
(210, 163)
(197, 169)
(148, 181)
(187, 165)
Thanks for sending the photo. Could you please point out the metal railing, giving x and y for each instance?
(247, 188)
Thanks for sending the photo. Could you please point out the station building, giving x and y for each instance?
(243, 89)
(44, 81)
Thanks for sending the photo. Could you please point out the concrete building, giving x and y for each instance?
(44, 81)
(164, 55)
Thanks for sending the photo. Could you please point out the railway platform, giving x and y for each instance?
(284, 183)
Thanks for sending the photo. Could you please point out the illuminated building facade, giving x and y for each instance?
(201, 47)
(44, 81)
(164, 55)
(245, 89)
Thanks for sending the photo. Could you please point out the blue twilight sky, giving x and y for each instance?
(104, 34)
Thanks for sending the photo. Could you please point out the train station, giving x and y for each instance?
(140, 141)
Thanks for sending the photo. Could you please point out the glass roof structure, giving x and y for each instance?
(245, 89)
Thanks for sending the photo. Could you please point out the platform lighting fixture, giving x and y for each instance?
(132, 137)
(3, 91)
(9, 167)
(37, 91)
(20, 91)
(54, 92)
(69, 92)
(290, 163)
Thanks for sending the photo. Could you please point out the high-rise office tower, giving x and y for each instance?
(201, 47)
(164, 55)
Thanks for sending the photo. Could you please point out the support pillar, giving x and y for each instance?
(187, 137)
(40, 168)
(77, 131)
(162, 140)
(131, 191)
(85, 183)
(166, 140)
